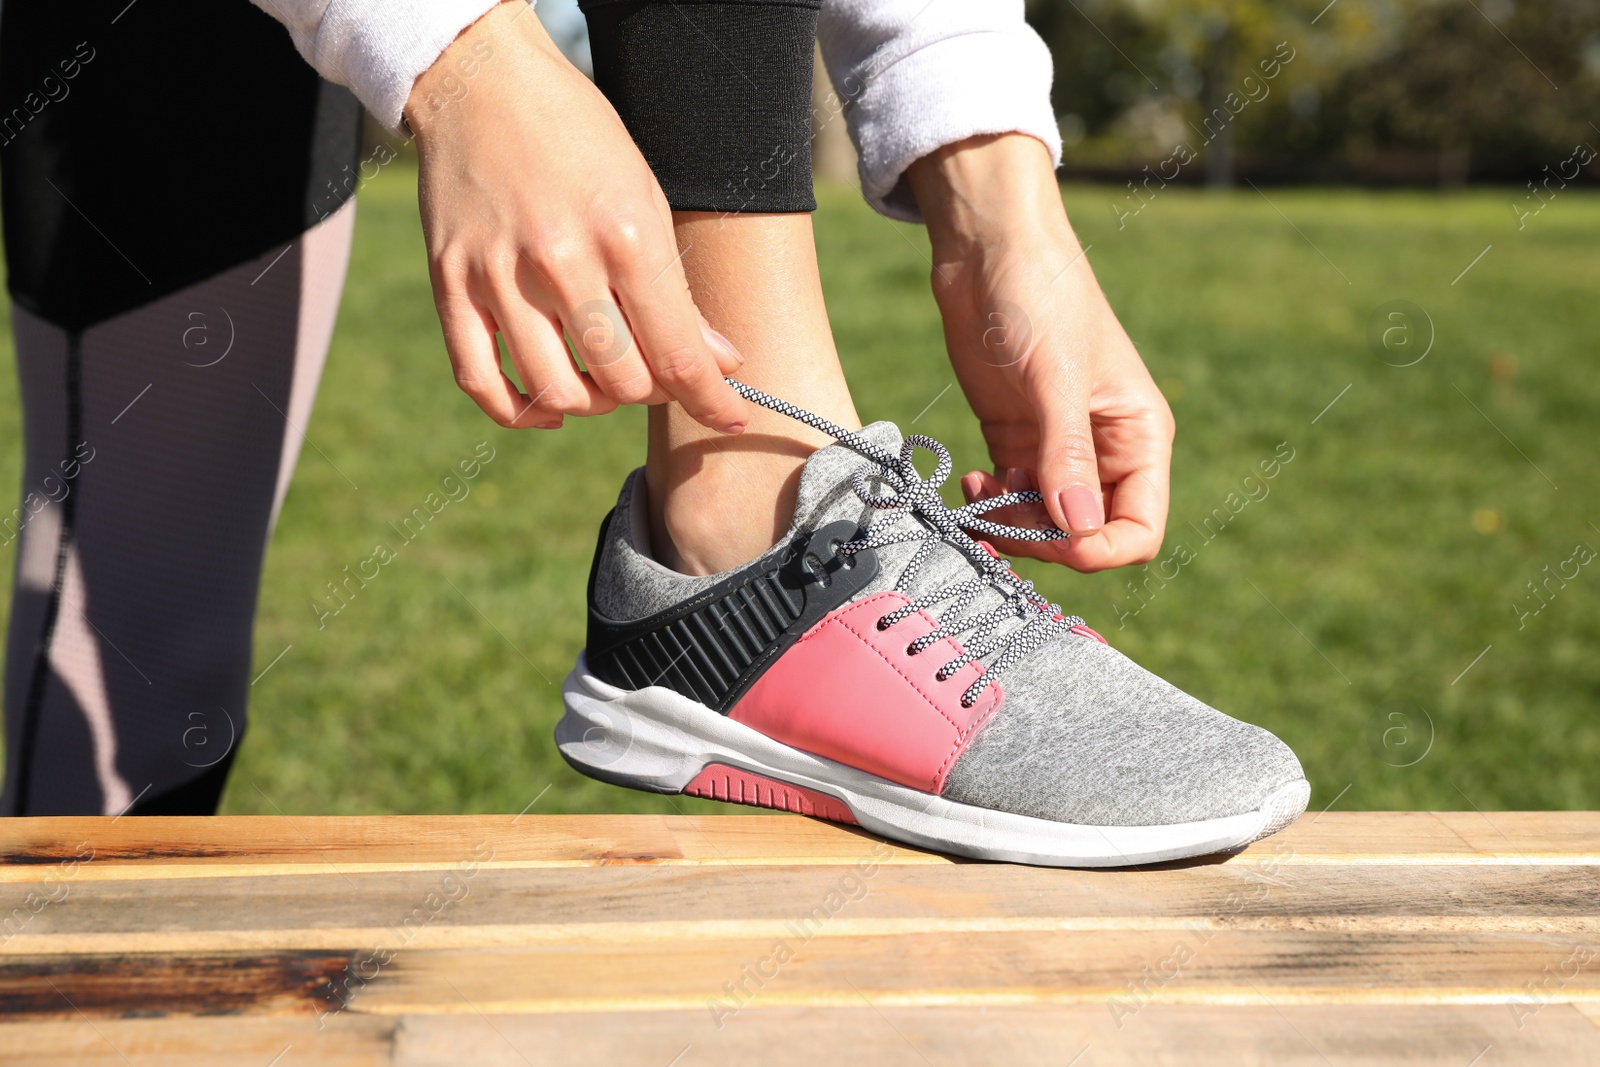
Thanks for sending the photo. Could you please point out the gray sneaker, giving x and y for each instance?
(880, 666)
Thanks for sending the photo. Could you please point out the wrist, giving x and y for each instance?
(987, 188)
(449, 80)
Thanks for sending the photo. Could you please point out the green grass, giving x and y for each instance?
(1358, 590)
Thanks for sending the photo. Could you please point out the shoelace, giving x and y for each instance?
(910, 492)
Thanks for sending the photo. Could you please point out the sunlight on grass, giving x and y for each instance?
(1340, 604)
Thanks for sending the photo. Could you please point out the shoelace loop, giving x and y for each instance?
(908, 491)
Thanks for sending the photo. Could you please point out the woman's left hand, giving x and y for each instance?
(1066, 404)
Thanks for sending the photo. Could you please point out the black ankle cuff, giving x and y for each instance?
(717, 96)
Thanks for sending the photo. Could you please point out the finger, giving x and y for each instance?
(980, 485)
(1119, 543)
(685, 363)
(1027, 516)
(469, 332)
(534, 340)
(729, 359)
(1138, 502)
(1024, 516)
(572, 296)
(1130, 536)
(1069, 474)
(603, 339)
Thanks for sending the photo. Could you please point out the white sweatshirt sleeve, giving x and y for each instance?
(915, 75)
(376, 47)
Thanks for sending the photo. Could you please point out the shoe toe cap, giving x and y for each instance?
(1089, 737)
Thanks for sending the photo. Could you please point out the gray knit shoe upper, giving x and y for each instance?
(1088, 736)
(1084, 735)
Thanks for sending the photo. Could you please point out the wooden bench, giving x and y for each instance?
(1449, 938)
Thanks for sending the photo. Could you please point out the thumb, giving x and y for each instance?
(729, 358)
(1069, 475)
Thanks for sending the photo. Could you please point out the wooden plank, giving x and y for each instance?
(461, 909)
(1229, 1037)
(149, 848)
(1253, 1036)
(913, 970)
(324, 920)
(993, 968)
(1043, 1036)
(30, 849)
(209, 983)
(350, 1041)
(1441, 838)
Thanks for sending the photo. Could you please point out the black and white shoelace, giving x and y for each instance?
(909, 492)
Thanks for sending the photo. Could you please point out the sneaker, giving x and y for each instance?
(879, 666)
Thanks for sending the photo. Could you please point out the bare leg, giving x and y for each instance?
(717, 501)
(716, 95)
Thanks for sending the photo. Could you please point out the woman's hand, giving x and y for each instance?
(1064, 400)
(541, 217)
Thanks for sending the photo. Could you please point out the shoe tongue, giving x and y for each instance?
(826, 494)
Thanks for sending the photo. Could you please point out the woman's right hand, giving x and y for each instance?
(540, 217)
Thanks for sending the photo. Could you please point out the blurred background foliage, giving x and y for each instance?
(1389, 609)
(1380, 91)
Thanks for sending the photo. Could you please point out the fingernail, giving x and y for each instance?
(714, 337)
(733, 428)
(1085, 512)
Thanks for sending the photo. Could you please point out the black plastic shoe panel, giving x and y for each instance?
(713, 646)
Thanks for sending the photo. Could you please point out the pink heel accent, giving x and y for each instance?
(720, 782)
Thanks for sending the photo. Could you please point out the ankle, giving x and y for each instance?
(711, 510)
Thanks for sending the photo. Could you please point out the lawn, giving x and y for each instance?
(1362, 603)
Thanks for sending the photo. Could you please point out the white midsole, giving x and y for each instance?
(658, 739)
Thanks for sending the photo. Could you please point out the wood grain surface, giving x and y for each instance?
(1418, 938)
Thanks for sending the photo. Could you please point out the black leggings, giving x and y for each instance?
(173, 290)
(164, 202)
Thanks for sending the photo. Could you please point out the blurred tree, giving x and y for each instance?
(1510, 84)
(1337, 90)
(1093, 42)
(1233, 44)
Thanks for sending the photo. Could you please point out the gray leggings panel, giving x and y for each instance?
(158, 447)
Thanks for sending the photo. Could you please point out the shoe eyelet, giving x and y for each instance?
(883, 623)
(911, 649)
